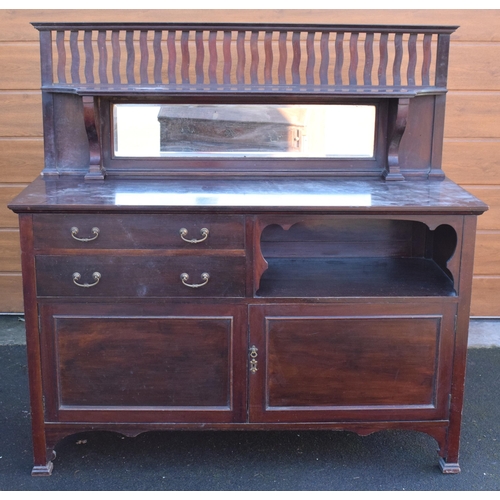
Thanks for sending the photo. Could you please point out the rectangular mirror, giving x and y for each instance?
(244, 130)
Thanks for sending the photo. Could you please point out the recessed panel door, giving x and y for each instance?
(148, 363)
(343, 362)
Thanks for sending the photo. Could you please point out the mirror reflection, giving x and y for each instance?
(235, 130)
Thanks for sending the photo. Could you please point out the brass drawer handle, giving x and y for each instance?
(77, 276)
(95, 232)
(185, 276)
(203, 231)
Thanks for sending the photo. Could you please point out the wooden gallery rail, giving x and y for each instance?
(244, 57)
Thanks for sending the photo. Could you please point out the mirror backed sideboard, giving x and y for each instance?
(199, 253)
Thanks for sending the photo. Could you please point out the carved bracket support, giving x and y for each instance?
(96, 169)
(398, 118)
(260, 263)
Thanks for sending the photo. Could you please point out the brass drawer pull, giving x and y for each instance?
(253, 359)
(77, 276)
(203, 231)
(95, 232)
(185, 276)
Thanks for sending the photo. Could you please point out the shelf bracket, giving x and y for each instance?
(398, 117)
(96, 169)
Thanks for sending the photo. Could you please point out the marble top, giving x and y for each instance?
(246, 195)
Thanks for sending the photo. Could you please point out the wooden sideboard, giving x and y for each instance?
(245, 290)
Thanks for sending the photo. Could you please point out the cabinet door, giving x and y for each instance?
(144, 362)
(344, 362)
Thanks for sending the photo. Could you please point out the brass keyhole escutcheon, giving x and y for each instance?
(253, 359)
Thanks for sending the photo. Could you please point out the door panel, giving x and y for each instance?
(168, 364)
(332, 362)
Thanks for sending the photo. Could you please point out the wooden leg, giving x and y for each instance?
(448, 451)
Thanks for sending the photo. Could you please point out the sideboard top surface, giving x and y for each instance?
(245, 195)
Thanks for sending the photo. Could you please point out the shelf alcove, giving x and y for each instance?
(337, 257)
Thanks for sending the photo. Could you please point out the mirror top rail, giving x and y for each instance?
(220, 58)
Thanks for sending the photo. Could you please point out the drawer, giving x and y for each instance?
(129, 231)
(140, 276)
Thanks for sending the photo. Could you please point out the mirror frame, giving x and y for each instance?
(225, 166)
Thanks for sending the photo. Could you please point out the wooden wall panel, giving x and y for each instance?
(475, 25)
(472, 161)
(20, 66)
(8, 219)
(10, 256)
(21, 114)
(473, 114)
(485, 296)
(487, 252)
(471, 154)
(11, 292)
(474, 66)
(21, 159)
(490, 220)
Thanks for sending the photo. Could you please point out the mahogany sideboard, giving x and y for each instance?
(245, 284)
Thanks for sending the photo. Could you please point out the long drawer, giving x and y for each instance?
(144, 231)
(140, 276)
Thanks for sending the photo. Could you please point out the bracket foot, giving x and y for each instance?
(42, 470)
(448, 468)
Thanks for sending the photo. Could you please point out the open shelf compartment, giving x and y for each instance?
(344, 257)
